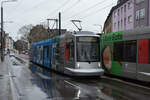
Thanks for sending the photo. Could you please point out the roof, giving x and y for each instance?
(114, 8)
(120, 4)
(110, 13)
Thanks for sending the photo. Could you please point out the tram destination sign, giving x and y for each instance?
(88, 39)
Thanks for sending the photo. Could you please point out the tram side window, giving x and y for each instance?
(46, 49)
(33, 51)
(41, 53)
(118, 51)
(57, 51)
(38, 51)
(71, 50)
(130, 51)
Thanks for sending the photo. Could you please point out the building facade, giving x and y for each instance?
(6, 42)
(108, 23)
(129, 14)
(9, 43)
(123, 16)
(142, 12)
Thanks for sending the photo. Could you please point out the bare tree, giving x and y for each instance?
(36, 33)
(24, 32)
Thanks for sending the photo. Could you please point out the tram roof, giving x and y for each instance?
(134, 34)
(83, 33)
(137, 33)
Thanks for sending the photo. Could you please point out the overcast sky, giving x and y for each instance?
(25, 12)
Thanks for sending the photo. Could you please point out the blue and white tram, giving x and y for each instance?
(75, 54)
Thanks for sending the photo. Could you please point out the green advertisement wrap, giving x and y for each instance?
(107, 53)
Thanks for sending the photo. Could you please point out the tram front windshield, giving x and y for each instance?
(88, 49)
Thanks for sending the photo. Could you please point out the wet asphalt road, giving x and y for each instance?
(30, 82)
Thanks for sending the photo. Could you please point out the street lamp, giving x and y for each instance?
(2, 32)
(6, 22)
(100, 27)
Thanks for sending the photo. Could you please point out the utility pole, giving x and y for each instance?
(2, 36)
(59, 23)
(48, 25)
(2, 30)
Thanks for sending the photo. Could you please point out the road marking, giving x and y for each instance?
(72, 84)
(15, 94)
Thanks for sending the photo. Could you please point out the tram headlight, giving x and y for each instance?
(99, 64)
(78, 65)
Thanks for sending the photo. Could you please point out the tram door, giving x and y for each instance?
(69, 54)
(130, 55)
(143, 66)
(46, 57)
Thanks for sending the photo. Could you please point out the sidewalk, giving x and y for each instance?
(5, 89)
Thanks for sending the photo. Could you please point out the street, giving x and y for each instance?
(27, 81)
(75, 50)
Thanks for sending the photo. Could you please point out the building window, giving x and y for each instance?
(121, 23)
(139, 1)
(140, 14)
(114, 25)
(118, 12)
(118, 24)
(129, 19)
(121, 10)
(129, 5)
(125, 22)
(115, 13)
(124, 8)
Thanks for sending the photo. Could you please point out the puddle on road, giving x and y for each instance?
(14, 61)
(66, 88)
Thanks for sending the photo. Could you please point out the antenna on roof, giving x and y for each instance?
(79, 27)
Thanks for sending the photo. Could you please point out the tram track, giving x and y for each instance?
(126, 82)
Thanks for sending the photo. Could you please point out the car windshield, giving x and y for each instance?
(88, 49)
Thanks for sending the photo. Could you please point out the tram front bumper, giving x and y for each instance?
(84, 72)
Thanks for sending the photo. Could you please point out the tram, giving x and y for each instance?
(127, 53)
(74, 53)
